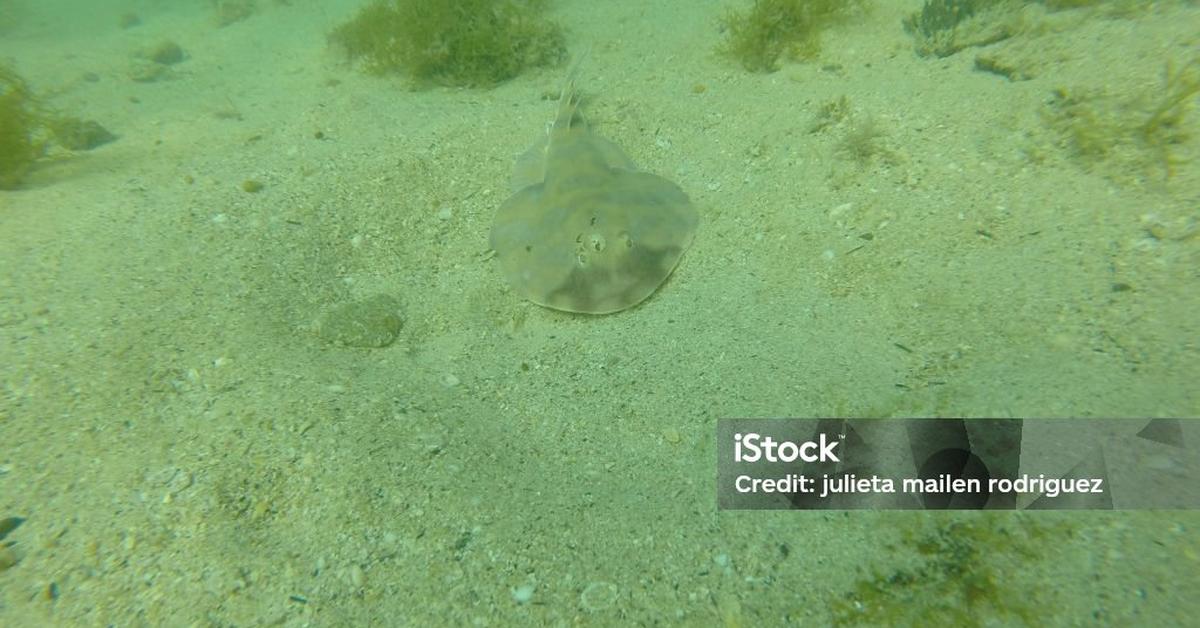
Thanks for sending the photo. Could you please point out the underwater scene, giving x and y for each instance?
(426, 312)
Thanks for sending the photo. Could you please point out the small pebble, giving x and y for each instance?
(8, 557)
(165, 53)
(77, 134)
(372, 323)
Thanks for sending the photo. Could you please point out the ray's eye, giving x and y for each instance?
(596, 241)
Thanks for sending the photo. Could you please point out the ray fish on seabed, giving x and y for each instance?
(585, 230)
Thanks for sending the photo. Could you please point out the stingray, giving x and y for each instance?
(585, 230)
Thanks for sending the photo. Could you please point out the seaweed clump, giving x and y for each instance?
(772, 29)
(471, 43)
(963, 575)
(21, 122)
(226, 12)
(944, 27)
(1146, 132)
(28, 128)
(1165, 124)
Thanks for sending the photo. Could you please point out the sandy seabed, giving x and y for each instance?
(187, 449)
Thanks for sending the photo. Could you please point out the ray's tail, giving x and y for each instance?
(568, 98)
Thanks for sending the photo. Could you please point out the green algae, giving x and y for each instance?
(21, 122)
(773, 29)
(1144, 133)
(472, 43)
(962, 572)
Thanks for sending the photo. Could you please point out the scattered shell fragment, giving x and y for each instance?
(598, 596)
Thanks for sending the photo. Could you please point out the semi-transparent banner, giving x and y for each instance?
(963, 464)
